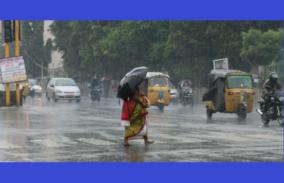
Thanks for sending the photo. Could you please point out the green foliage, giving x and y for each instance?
(262, 48)
(35, 53)
(185, 49)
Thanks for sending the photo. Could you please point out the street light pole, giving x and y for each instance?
(41, 72)
(7, 88)
(17, 54)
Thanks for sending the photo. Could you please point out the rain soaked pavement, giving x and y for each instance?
(47, 131)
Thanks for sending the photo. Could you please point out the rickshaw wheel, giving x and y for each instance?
(209, 113)
(161, 107)
(242, 116)
(242, 113)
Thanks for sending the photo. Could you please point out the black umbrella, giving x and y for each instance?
(132, 79)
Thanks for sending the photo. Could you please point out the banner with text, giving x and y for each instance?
(13, 69)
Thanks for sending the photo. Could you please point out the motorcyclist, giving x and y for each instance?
(94, 82)
(184, 85)
(95, 89)
(271, 84)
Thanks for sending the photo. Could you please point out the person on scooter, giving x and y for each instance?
(95, 89)
(185, 85)
(94, 82)
(271, 84)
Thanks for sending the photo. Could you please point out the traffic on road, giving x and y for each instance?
(141, 91)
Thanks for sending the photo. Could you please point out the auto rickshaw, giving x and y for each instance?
(158, 89)
(230, 91)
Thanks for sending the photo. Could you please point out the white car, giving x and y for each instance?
(38, 89)
(35, 88)
(174, 94)
(63, 89)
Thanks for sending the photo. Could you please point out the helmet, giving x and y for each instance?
(273, 77)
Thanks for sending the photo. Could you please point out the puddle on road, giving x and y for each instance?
(7, 145)
(48, 143)
(95, 141)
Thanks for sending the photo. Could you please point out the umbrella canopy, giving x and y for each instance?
(132, 79)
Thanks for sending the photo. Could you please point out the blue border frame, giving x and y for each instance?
(283, 84)
(142, 172)
(143, 10)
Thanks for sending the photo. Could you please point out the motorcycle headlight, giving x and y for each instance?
(272, 98)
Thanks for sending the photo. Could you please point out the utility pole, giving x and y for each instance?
(7, 87)
(17, 54)
(41, 79)
(11, 34)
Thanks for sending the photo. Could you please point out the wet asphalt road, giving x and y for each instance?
(43, 131)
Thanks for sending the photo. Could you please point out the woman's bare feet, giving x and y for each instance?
(147, 141)
(125, 143)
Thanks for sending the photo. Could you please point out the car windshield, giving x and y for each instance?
(65, 82)
(32, 81)
(159, 81)
(240, 82)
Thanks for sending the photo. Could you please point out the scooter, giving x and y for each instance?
(187, 96)
(96, 94)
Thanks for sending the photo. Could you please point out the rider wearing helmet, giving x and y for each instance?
(94, 82)
(271, 84)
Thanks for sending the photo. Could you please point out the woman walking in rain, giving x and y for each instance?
(137, 113)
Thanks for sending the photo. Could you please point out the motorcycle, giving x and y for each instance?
(96, 94)
(32, 92)
(271, 108)
(187, 96)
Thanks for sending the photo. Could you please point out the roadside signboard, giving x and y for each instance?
(221, 64)
(12, 69)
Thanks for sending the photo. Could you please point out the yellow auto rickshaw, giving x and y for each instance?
(158, 89)
(230, 91)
